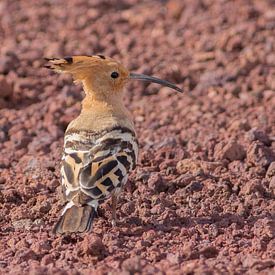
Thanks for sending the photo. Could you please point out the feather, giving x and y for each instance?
(92, 175)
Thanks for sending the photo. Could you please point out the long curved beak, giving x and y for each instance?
(155, 80)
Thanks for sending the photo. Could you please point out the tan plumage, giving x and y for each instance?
(100, 146)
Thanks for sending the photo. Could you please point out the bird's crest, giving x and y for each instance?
(78, 66)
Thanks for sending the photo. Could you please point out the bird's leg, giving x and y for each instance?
(114, 205)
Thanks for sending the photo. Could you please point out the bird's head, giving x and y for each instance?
(100, 74)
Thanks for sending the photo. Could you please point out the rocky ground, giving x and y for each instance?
(201, 200)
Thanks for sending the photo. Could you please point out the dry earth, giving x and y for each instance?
(201, 200)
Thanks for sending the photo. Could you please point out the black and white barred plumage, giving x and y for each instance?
(95, 166)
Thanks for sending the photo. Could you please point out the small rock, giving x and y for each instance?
(26, 255)
(189, 165)
(38, 223)
(231, 151)
(47, 259)
(204, 56)
(251, 261)
(3, 264)
(92, 245)
(272, 185)
(270, 14)
(24, 223)
(149, 235)
(22, 142)
(4, 162)
(44, 207)
(268, 94)
(3, 136)
(141, 244)
(24, 83)
(11, 195)
(142, 175)
(32, 164)
(133, 265)
(209, 252)
(6, 89)
(256, 134)
(195, 186)
(173, 258)
(252, 186)
(157, 209)
(271, 170)
(156, 182)
(3, 103)
(41, 247)
(259, 155)
(54, 184)
(196, 167)
(2, 180)
(239, 125)
(264, 228)
(184, 180)
(8, 62)
(174, 8)
(128, 208)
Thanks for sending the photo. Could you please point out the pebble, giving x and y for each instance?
(231, 151)
(259, 155)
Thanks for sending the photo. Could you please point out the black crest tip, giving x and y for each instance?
(101, 56)
(69, 59)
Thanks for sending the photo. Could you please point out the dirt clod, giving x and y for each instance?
(271, 170)
(256, 134)
(259, 154)
(231, 151)
(92, 245)
(156, 183)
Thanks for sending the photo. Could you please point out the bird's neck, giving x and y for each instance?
(106, 100)
(101, 111)
(100, 97)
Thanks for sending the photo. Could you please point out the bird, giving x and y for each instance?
(100, 145)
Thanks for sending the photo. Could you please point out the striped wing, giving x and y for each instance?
(94, 166)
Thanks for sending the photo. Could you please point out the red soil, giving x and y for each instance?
(201, 200)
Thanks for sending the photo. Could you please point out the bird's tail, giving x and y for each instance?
(75, 219)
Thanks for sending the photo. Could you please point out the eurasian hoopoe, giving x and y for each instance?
(100, 146)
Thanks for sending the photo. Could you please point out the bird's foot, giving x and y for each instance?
(114, 222)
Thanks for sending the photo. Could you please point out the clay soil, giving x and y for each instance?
(201, 200)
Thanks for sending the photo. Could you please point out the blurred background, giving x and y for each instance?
(206, 156)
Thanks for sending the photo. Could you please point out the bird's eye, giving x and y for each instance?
(114, 75)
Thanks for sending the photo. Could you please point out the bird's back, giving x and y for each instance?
(94, 165)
